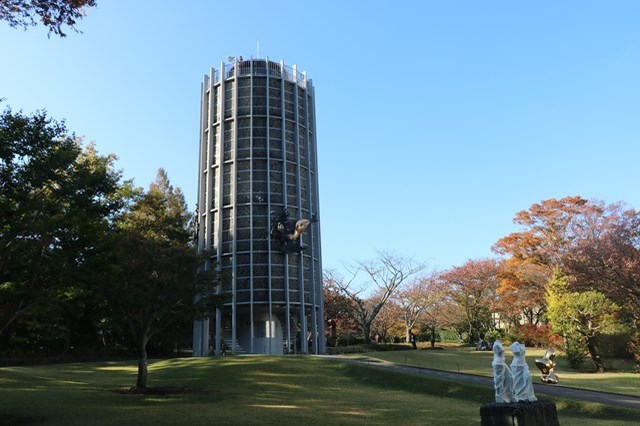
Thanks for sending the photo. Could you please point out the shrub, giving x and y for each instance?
(614, 345)
(576, 351)
(449, 336)
(634, 349)
(535, 335)
(493, 335)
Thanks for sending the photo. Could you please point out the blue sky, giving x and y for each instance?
(437, 120)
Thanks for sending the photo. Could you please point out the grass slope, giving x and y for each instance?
(468, 360)
(252, 390)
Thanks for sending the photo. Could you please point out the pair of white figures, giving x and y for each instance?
(511, 384)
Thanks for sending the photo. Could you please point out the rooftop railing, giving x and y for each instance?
(260, 67)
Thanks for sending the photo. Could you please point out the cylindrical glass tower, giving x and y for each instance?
(258, 181)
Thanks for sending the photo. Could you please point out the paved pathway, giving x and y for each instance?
(561, 391)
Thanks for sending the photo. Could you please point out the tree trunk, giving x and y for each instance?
(433, 336)
(366, 329)
(595, 355)
(141, 382)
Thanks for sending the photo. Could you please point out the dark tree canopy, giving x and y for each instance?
(57, 198)
(54, 14)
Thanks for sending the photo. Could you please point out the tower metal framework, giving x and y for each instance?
(257, 162)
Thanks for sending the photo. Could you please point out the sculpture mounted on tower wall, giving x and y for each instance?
(286, 232)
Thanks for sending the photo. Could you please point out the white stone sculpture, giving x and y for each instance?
(522, 385)
(502, 376)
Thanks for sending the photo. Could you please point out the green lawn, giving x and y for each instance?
(253, 390)
(467, 360)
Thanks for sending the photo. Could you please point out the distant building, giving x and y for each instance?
(258, 163)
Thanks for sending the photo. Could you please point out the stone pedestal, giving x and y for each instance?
(536, 413)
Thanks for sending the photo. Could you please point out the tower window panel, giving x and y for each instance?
(276, 173)
(291, 168)
(277, 282)
(260, 175)
(260, 295)
(243, 295)
(260, 283)
(259, 81)
(274, 91)
(243, 234)
(275, 133)
(260, 245)
(242, 271)
(259, 152)
(290, 137)
(244, 245)
(275, 123)
(274, 111)
(261, 270)
(289, 87)
(243, 188)
(244, 91)
(260, 142)
(277, 295)
(243, 199)
(260, 165)
(244, 133)
(243, 259)
(259, 188)
(276, 198)
(260, 221)
(242, 153)
(277, 270)
(243, 175)
(276, 188)
(292, 189)
(226, 247)
(259, 132)
(226, 285)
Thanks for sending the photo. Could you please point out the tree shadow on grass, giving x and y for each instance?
(8, 419)
(164, 390)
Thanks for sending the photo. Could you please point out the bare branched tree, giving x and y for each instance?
(417, 300)
(385, 274)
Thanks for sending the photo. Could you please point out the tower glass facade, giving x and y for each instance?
(257, 163)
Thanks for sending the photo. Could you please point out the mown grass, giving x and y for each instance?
(253, 390)
(467, 360)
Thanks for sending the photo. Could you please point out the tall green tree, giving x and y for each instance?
(154, 281)
(580, 316)
(57, 198)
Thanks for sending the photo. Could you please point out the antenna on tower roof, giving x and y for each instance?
(258, 49)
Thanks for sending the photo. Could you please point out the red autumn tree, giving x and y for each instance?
(472, 287)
